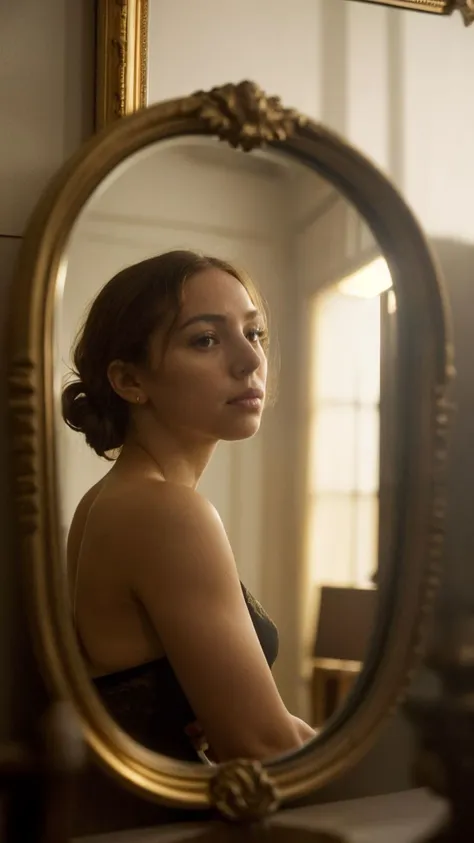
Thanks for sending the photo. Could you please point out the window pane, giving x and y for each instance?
(366, 539)
(334, 364)
(367, 439)
(331, 540)
(333, 450)
(368, 351)
(346, 348)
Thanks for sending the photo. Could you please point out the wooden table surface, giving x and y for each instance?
(405, 817)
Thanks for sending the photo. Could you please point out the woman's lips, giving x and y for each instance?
(251, 399)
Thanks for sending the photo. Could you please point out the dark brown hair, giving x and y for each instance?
(118, 326)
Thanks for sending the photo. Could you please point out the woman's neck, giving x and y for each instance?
(171, 460)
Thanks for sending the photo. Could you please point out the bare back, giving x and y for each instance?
(113, 628)
(152, 574)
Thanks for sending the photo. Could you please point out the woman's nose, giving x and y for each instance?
(246, 361)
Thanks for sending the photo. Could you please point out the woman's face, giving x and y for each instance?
(209, 380)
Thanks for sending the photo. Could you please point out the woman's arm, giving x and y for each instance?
(305, 732)
(183, 572)
(196, 734)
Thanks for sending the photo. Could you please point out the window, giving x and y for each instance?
(344, 429)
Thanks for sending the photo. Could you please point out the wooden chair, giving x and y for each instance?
(344, 626)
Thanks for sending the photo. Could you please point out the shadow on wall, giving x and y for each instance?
(457, 263)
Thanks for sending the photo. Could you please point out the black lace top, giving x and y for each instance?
(149, 704)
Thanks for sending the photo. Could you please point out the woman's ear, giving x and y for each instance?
(124, 381)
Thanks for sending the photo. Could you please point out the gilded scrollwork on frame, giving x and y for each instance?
(466, 7)
(245, 117)
(24, 445)
(121, 58)
(436, 7)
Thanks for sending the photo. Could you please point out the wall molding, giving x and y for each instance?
(395, 98)
(147, 223)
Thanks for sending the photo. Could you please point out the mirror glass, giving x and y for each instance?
(300, 489)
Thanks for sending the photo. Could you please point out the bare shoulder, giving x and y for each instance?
(80, 517)
(87, 500)
(150, 501)
(150, 519)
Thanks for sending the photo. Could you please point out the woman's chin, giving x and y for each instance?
(245, 429)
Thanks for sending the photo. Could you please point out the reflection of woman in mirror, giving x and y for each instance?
(171, 359)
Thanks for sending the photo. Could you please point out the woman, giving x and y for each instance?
(171, 359)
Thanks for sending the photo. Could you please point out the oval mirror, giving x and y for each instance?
(235, 357)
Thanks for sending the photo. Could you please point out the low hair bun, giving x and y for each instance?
(75, 406)
(82, 415)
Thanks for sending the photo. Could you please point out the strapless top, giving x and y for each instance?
(149, 704)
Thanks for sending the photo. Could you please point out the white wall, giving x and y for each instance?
(406, 89)
(438, 125)
(199, 45)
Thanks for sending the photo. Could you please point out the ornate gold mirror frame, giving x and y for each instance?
(243, 117)
(435, 7)
(121, 58)
(122, 49)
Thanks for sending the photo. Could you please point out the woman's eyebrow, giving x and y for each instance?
(215, 317)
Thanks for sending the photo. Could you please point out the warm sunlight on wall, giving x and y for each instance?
(343, 481)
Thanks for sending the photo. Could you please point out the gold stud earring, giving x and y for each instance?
(138, 399)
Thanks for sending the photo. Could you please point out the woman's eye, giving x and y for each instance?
(206, 341)
(210, 340)
(256, 335)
